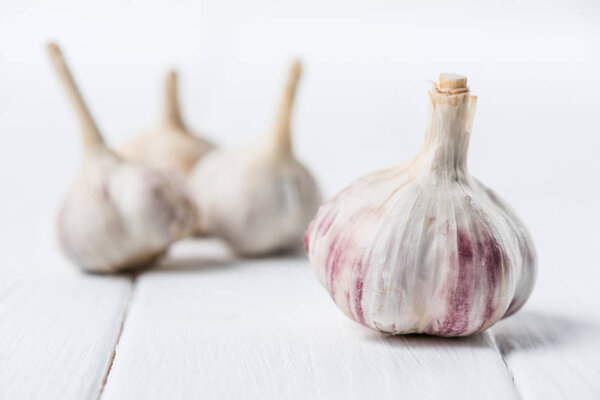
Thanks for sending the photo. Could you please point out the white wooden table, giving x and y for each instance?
(205, 325)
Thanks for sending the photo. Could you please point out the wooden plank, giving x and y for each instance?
(266, 329)
(57, 333)
(552, 346)
(552, 355)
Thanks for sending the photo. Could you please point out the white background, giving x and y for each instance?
(361, 106)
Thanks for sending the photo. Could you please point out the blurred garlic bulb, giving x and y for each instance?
(117, 215)
(170, 147)
(425, 247)
(258, 199)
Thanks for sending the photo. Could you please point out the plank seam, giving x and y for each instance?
(121, 327)
(500, 351)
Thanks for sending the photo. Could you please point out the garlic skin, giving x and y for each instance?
(117, 216)
(171, 147)
(259, 199)
(425, 247)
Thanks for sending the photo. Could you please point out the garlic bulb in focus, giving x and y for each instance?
(117, 215)
(170, 147)
(425, 247)
(258, 199)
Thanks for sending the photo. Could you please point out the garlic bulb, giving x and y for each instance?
(170, 147)
(258, 199)
(425, 247)
(117, 215)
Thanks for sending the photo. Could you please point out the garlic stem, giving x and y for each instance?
(172, 112)
(91, 136)
(447, 135)
(280, 136)
(471, 113)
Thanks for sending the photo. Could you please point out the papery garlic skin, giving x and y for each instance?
(120, 216)
(257, 204)
(170, 147)
(425, 248)
(117, 215)
(259, 199)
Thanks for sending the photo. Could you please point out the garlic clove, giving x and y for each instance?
(117, 215)
(170, 147)
(424, 247)
(259, 199)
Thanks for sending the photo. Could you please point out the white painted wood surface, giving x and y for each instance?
(265, 329)
(57, 334)
(205, 325)
(552, 346)
(552, 356)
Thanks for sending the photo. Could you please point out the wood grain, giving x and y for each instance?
(57, 334)
(220, 328)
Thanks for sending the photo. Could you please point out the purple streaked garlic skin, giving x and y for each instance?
(118, 215)
(425, 247)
